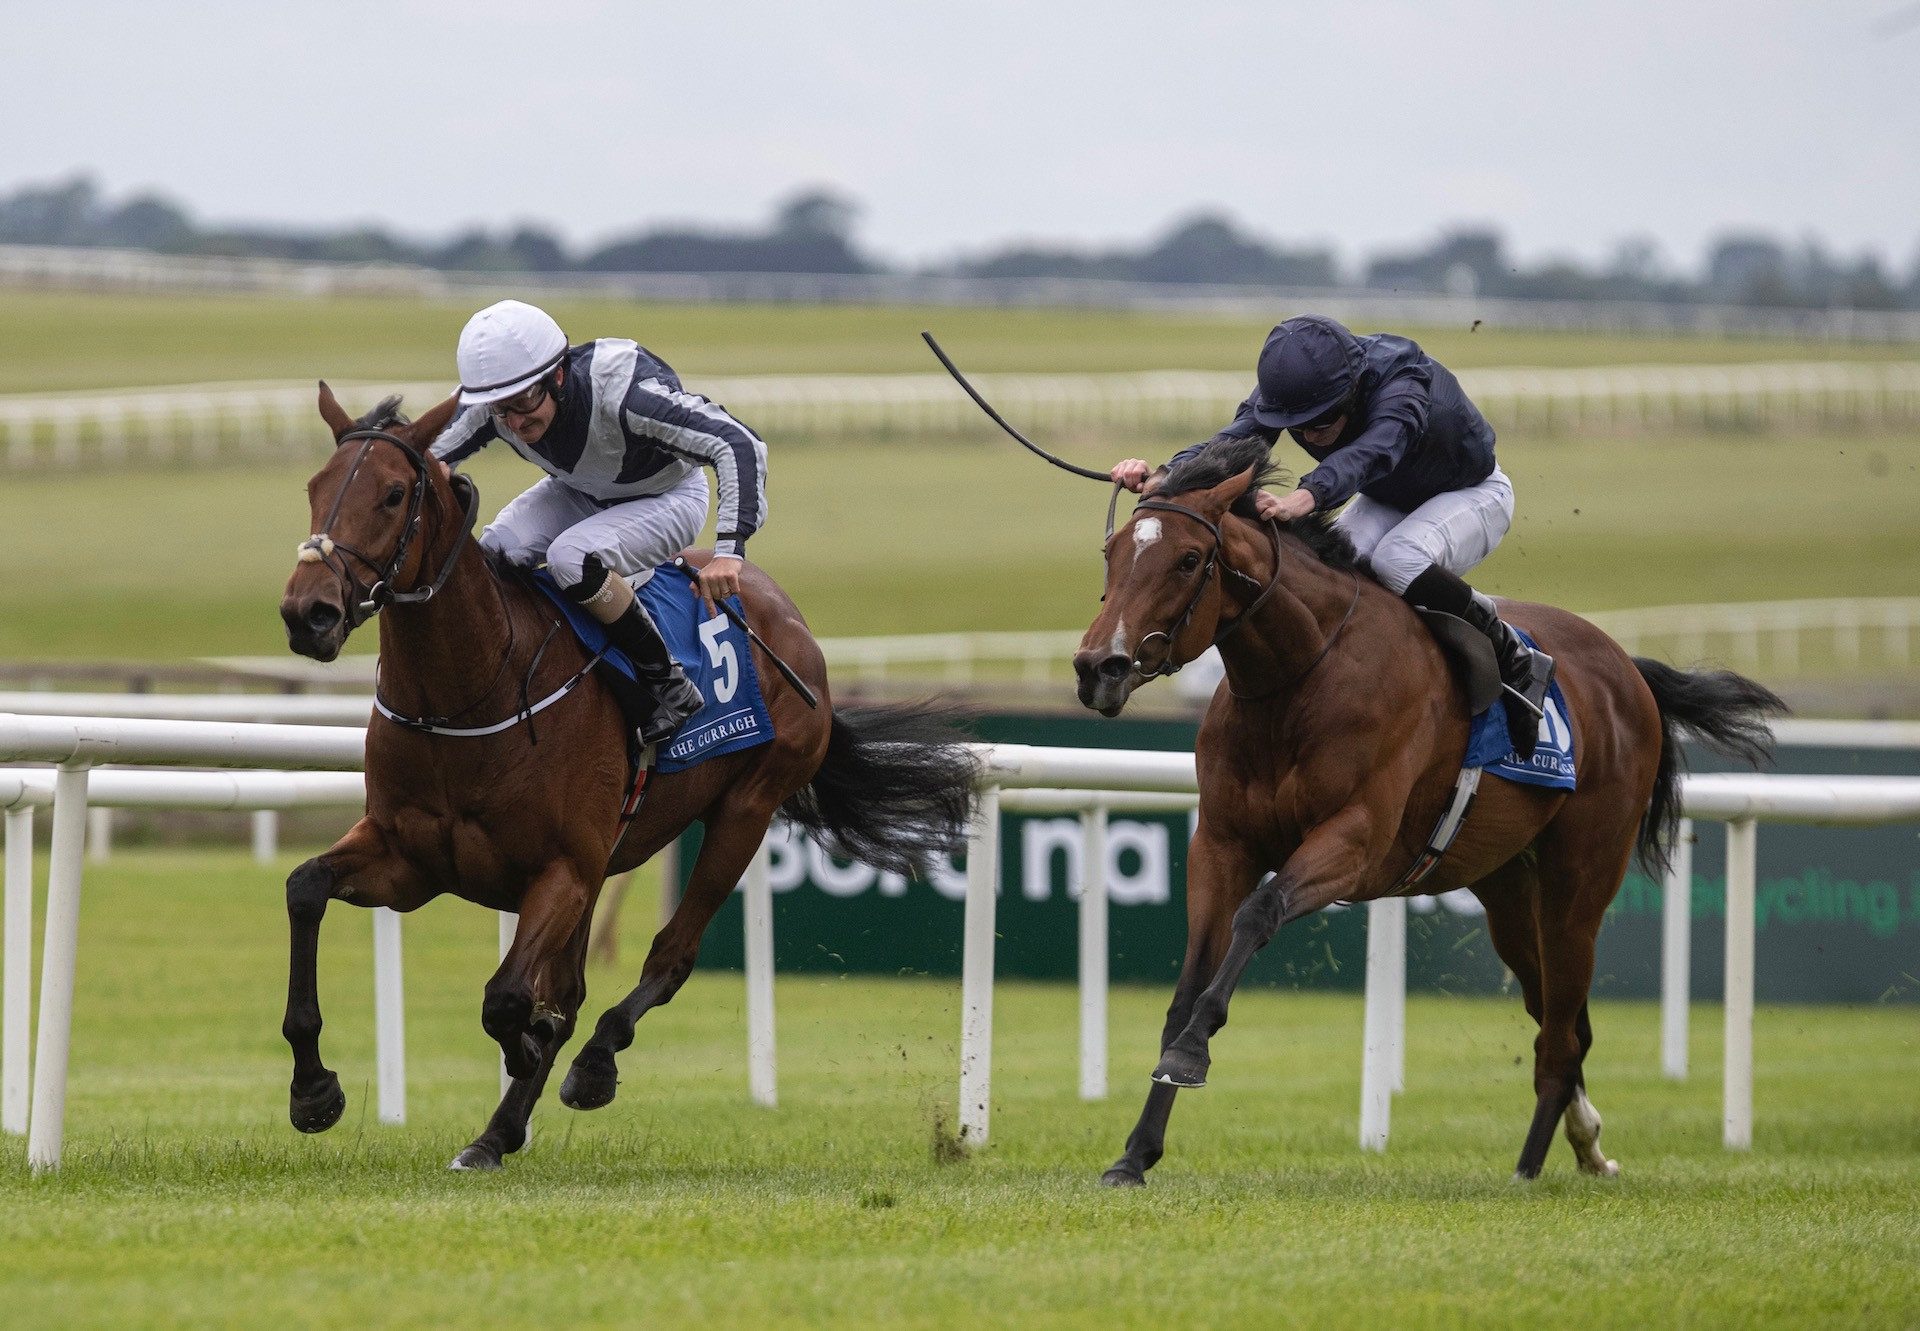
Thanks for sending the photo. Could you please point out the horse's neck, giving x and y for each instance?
(1289, 631)
(438, 657)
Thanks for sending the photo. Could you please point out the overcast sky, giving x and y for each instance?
(962, 124)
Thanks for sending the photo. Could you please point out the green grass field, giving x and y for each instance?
(872, 538)
(58, 341)
(187, 1200)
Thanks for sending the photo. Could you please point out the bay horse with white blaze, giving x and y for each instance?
(1330, 753)
(525, 816)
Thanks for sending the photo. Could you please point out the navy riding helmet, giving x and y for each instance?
(1309, 366)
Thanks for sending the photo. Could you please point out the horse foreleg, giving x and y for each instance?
(506, 1131)
(732, 839)
(357, 869)
(516, 1010)
(1323, 870)
(1208, 931)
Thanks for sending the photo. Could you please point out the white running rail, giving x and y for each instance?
(1025, 776)
(215, 422)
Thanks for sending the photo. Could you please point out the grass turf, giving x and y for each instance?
(58, 341)
(186, 1198)
(876, 538)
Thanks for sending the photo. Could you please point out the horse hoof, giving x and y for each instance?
(590, 1082)
(319, 1110)
(1605, 1169)
(1123, 1176)
(475, 1156)
(1180, 1068)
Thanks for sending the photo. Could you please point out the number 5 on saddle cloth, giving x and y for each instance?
(714, 652)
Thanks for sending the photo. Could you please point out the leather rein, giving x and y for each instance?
(322, 548)
(1215, 559)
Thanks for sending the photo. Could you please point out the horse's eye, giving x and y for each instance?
(1190, 561)
(395, 493)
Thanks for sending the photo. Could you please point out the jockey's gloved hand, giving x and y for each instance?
(1132, 473)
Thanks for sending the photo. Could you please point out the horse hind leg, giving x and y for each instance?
(1583, 1120)
(732, 839)
(1571, 901)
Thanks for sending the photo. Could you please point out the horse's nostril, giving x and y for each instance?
(1116, 667)
(323, 618)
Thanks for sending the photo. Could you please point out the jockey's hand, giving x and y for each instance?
(718, 580)
(1132, 473)
(1283, 508)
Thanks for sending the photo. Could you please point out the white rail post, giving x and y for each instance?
(1676, 953)
(509, 923)
(1093, 953)
(1737, 1112)
(266, 835)
(389, 1016)
(15, 1023)
(1376, 1064)
(99, 834)
(58, 955)
(1397, 991)
(976, 969)
(757, 899)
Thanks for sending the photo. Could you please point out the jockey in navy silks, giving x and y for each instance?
(1398, 442)
(623, 446)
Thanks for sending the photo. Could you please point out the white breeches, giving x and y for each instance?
(557, 523)
(1455, 530)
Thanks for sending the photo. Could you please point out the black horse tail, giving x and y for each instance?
(895, 789)
(1726, 712)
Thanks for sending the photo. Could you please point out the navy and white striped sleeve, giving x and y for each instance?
(471, 431)
(703, 431)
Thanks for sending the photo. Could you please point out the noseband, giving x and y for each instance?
(1167, 665)
(322, 548)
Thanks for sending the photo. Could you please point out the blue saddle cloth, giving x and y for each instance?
(715, 653)
(1491, 747)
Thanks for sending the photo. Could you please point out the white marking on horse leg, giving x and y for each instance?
(1583, 1132)
(1145, 532)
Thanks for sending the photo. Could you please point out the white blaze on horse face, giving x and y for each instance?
(1145, 533)
(1119, 644)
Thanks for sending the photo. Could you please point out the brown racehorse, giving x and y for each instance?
(527, 819)
(1331, 750)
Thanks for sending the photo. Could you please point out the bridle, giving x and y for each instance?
(1215, 559)
(322, 548)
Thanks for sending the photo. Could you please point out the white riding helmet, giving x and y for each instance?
(505, 349)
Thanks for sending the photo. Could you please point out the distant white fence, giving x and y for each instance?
(141, 270)
(207, 423)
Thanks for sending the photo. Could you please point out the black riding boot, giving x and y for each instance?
(1525, 673)
(673, 696)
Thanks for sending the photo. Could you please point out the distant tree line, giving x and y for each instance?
(813, 232)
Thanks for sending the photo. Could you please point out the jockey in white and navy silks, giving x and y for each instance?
(1400, 444)
(624, 447)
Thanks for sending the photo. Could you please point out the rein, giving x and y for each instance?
(322, 548)
(1214, 558)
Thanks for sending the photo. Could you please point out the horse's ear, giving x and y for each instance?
(424, 431)
(1220, 498)
(333, 413)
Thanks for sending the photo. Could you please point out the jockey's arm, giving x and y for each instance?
(1396, 416)
(1138, 475)
(465, 435)
(704, 432)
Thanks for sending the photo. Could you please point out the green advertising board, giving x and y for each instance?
(1838, 909)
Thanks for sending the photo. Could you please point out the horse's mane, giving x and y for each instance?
(385, 412)
(1226, 457)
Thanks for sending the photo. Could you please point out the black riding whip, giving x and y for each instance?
(999, 420)
(786, 671)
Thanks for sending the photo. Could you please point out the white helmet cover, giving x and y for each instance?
(505, 349)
